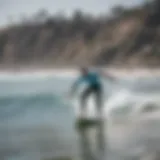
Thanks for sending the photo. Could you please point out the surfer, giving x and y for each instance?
(94, 86)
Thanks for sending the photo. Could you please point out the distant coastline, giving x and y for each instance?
(128, 38)
(72, 71)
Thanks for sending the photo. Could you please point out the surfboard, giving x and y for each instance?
(87, 122)
(87, 119)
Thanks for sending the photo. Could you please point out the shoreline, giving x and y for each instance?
(70, 71)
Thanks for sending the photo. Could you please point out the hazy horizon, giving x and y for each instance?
(14, 9)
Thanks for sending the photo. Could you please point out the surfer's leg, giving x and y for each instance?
(84, 97)
(99, 99)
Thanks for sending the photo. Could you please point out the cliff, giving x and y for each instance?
(130, 37)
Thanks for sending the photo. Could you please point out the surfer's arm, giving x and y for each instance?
(75, 85)
(108, 76)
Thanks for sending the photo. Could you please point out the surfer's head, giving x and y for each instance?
(84, 71)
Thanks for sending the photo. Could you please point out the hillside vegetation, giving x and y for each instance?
(129, 37)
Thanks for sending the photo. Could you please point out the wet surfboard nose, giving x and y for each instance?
(85, 123)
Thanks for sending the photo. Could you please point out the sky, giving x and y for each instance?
(15, 8)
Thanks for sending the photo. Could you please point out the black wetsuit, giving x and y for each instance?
(94, 87)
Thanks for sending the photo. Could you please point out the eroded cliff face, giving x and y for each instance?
(126, 40)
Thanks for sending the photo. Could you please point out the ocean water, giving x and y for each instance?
(37, 120)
